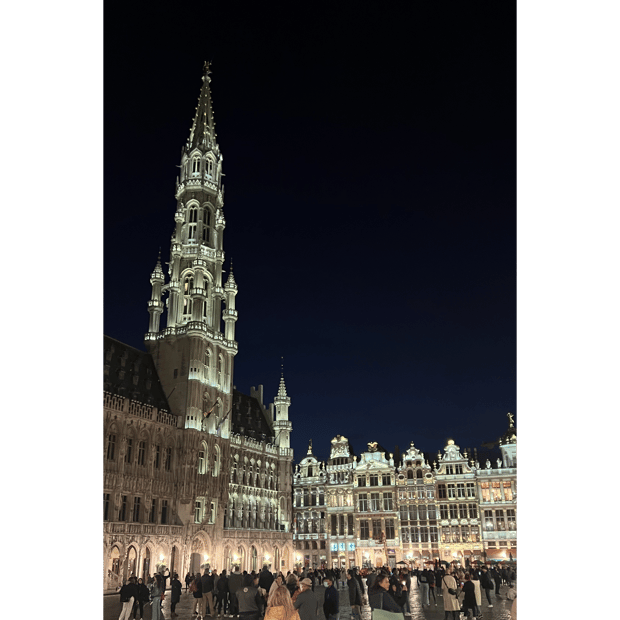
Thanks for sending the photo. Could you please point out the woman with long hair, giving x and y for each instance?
(280, 606)
(158, 590)
(379, 595)
(449, 587)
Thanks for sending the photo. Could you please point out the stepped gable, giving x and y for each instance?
(249, 419)
(130, 373)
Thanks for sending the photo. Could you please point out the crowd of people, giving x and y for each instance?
(275, 596)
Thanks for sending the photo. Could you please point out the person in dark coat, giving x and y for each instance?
(266, 579)
(331, 604)
(497, 578)
(143, 597)
(469, 600)
(176, 588)
(221, 594)
(188, 580)
(379, 596)
(249, 599)
(129, 594)
(355, 595)
(234, 584)
(486, 583)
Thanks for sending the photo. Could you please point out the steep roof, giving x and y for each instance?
(249, 418)
(131, 373)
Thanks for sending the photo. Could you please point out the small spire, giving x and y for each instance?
(202, 132)
(230, 281)
(310, 447)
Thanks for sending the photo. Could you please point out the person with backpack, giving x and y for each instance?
(196, 590)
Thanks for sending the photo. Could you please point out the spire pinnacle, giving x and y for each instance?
(202, 132)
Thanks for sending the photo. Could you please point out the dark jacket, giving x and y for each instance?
(378, 598)
(234, 582)
(143, 593)
(307, 605)
(355, 593)
(198, 593)
(249, 599)
(469, 600)
(207, 583)
(222, 585)
(176, 587)
(265, 580)
(485, 580)
(331, 605)
(127, 591)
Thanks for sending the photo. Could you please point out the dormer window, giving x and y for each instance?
(196, 166)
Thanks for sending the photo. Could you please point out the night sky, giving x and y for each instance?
(370, 203)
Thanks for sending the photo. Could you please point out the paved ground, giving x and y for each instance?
(500, 610)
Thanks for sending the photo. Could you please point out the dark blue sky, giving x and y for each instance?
(370, 202)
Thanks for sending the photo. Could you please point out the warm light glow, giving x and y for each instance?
(206, 557)
(161, 557)
(235, 557)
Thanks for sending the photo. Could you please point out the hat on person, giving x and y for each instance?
(306, 582)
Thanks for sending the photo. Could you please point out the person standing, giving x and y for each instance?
(431, 586)
(307, 604)
(451, 603)
(175, 595)
(469, 600)
(143, 597)
(379, 596)
(234, 584)
(486, 583)
(129, 594)
(249, 600)
(207, 593)
(331, 604)
(266, 579)
(157, 595)
(281, 606)
(355, 595)
(188, 580)
(196, 590)
(424, 588)
(221, 594)
(497, 579)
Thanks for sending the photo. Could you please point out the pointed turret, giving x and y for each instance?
(282, 425)
(230, 314)
(202, 133)
(508, 443)
(156, 306)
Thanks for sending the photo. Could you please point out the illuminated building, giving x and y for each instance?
(454, 510)
(204, 474)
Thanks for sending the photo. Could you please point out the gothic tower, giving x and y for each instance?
(193, 355)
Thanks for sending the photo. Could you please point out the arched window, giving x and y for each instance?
(409, 474)
(206, 228)
(209, 167)
(203, 458)
(216, 461)
(220, 369)
(188, 285)
(196, 166)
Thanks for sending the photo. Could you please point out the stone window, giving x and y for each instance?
(110, 452)
(164, 511)
(136, 510)
(364, 531)
(142, 453)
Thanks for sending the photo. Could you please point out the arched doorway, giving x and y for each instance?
(254, 563)
(115, 561)
(241, 558)
(173, 560)
(196, 561)
(132, 559)
(146, 564)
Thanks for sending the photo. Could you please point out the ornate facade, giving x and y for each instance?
(451, 510)
(194, 471)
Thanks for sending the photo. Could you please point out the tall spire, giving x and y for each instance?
(202, 132)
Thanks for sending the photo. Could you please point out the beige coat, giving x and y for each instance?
(478, 592)
(450, 602)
